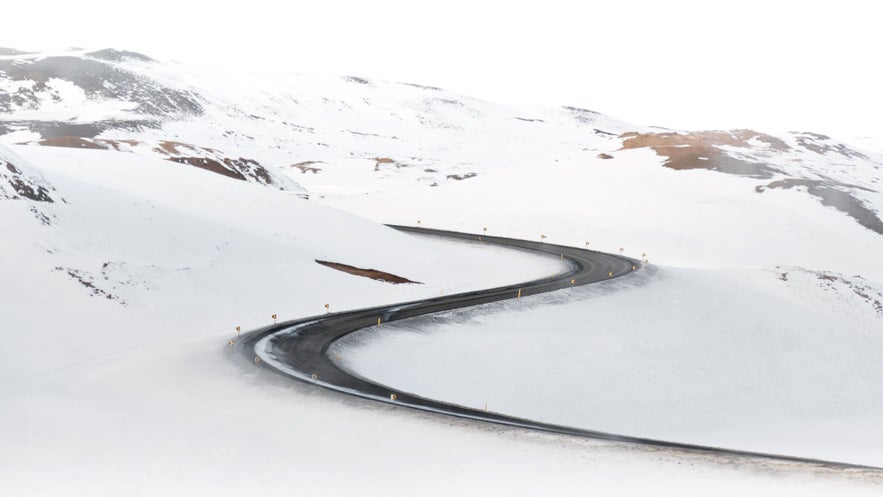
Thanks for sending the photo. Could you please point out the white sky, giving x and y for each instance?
(773, 65)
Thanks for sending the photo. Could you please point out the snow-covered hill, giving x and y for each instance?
(354, 135)
(194, 251)
(149, 208)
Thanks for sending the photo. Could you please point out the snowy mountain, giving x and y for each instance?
(754, 325)
(365, 136)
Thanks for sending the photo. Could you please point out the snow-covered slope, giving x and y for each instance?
(352, 135)
(782, 361)
(18, 179)
(157, 251)
(130, 271)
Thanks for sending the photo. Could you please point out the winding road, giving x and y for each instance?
(299, 349)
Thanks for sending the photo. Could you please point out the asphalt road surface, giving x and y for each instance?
(299, 349)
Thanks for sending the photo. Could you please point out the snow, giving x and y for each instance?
(116, 377)
(738, 359)
(62, 100)
(244, 252)
(183, 418)
(689, 219)
(145, 398)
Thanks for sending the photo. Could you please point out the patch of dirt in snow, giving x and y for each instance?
(72, 142)
(868, 292)
(702, 150)
(387, 161)
(838, 178)
(306, 166)
(202, 157)
(367, 273)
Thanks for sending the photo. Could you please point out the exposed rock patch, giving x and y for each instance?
(367, 273)
(817, 143)
(867, 292)
(205, 158)
(18, 180)
(833, 196)
(99, 79)
(307, 166)
(387, 161)
(357, 80)
(702, 150)
(87, 281)
(461, 177)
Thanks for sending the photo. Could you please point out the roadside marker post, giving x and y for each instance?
(519, 293)
(315, 377)
(587, 244)
(621, 250)
(485, 230)
(378, 321)
(542, 237)
(238, 330)
(327, 308)
(257, 359)
(274, 318)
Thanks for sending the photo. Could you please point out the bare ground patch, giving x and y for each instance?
(72, 142)
(830, 195)
(387, 161)
(374, 274)
(22, 185)
(701, 150)
(461, 177)
(823, 145)
(307, 166)
(206, 158)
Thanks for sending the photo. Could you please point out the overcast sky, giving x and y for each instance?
(774, 65)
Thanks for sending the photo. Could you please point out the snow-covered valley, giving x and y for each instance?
(149, 209)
